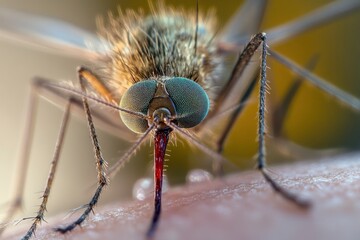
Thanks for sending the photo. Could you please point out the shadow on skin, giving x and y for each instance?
(241, 206)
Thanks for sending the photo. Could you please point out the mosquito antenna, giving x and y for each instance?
(93, 98)
(230, 110)
(196, 26)
(213, 154)
(121, 162)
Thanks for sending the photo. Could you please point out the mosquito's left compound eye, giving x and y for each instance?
(190, 99)
(137, 99)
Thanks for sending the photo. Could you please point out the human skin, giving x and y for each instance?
(239, 206)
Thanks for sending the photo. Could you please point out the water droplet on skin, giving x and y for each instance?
(144, 188)
(198, 175)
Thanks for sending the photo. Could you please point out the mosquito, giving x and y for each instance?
(163, 74)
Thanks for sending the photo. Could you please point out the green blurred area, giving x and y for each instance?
(315, 120)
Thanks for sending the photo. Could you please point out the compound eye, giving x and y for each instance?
(190, 99)
(137, 99)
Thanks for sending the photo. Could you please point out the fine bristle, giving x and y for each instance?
(160, 46)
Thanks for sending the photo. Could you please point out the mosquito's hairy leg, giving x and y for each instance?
(59, 143)
(240, 65)
(86, 76)
(218, 166)
(243, 60)
(83, 75)
(340, 95)
(37, 89)
(261, 134)
(278, 115)
(281, 108)
(23, 159)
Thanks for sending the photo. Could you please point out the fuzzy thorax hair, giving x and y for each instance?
(167, 43)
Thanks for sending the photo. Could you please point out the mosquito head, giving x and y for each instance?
(180, 100)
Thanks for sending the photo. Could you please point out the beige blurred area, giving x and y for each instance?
(315, 120)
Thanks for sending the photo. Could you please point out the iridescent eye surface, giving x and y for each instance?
(137, 98)
(191, 101)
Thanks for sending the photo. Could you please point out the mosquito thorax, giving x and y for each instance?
(178, 99)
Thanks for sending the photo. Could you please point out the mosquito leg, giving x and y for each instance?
(100, 162)
(278, 115)
(196, 142)
(40, 214)
(37, 88)
(334, 91)
(217, 165)
(281, 109)
(23, 160)
(261, 135)
(126, 156)
(96, 83)
(239, 68)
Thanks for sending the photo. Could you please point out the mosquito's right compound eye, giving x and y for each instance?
(191, 101)
(137, 99)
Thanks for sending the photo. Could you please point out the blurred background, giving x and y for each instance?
(315, 120)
